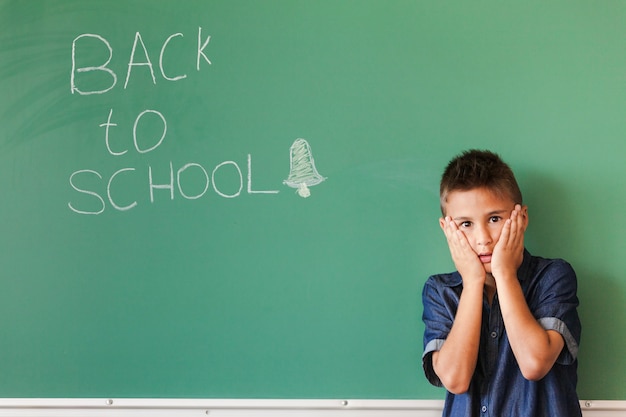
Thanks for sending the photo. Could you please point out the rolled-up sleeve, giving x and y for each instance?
(439, 302)
(554, 303)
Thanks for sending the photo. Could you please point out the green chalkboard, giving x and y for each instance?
(239, 199)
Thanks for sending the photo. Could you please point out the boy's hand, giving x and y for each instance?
(509, 251)
(465, 259)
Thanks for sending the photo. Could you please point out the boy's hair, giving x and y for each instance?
(478, 169)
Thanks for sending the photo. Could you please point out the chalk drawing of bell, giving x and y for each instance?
(302, 171)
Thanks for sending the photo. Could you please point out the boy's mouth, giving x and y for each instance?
(485, 258)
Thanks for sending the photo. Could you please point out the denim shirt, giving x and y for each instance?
(498, 387)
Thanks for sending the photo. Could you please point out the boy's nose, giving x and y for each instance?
(483, 238)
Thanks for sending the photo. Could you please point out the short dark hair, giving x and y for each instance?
(478, 169)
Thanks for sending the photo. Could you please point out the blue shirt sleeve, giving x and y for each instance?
(553, 302)
(440, 298)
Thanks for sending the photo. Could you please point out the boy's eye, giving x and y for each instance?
(495, 219)
(465, 224)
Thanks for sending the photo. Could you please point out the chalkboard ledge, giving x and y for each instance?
(88, 407)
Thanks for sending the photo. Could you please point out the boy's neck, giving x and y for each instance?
(490, 288)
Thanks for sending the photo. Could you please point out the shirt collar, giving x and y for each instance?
(522, 272)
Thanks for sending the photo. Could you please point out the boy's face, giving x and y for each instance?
(480, 214)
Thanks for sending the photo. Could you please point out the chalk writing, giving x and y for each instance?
(173, 186)
(108, 124)
(169, 186)
(192, 181)
(133, 61)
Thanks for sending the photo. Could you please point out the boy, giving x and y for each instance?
(502, 332)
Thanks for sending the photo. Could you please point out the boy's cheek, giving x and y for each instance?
(496, 235)
(472, 242)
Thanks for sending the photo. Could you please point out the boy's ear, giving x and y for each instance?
(525, 216)
(442, 223)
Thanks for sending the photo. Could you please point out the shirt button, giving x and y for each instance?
(494, 335)
(483, 409)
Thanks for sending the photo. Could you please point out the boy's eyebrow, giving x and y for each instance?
(491, 213)
(460, 218)
(497, 212)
